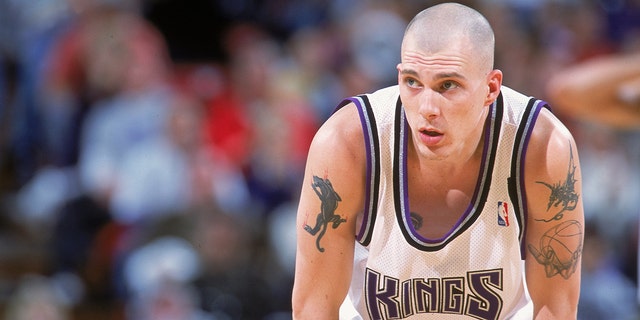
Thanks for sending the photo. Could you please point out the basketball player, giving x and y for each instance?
(446, 196)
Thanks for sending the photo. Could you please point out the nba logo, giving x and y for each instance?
(503, 214)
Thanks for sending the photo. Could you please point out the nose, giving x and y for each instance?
(428, 108)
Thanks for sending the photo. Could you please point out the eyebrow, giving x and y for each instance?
(449, 75)
(438, 76)
(410, 72)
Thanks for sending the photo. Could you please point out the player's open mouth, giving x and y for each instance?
(431, 133)
(430, 137)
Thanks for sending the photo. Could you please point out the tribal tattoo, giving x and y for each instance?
(329, 199)
(563, 194)
(560, 249)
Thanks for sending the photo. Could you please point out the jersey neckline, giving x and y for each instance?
(481, 190)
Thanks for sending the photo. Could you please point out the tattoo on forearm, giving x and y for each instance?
(563, 194)
(416, 220)
(329, 203)
(560, 249)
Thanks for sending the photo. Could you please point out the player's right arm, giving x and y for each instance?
(333, 188)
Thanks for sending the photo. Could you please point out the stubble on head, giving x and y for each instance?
(448, 25)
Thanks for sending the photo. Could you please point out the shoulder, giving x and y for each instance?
(548, 131)
(341, 133)
(550, 147)
(552, 159)
(344, 128)
(549, 138)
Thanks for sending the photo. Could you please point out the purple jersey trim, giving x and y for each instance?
(530, 124)
(365, 123)
(481, 184)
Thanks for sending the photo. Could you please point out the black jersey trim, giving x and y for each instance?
(372, 151)
(493, 126)
(516, 184)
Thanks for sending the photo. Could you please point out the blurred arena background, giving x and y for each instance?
(151, 151)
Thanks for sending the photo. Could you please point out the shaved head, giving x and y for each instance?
(450, 24)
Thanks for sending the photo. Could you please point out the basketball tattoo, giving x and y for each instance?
(329, 203)
(559, 249)
(563, 194)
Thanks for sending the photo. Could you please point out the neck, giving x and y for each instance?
(460, 164)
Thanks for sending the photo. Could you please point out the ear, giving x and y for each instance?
(494, 83)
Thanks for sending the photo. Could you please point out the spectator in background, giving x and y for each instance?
(36, 298)
(74, 74)
(314, 53)
(129, 57)
(374, 34)
(158, 275)
(605, 292)
(234, 282)
(228, 128)
(29, 33)
(173, 172)
(125, 70)
(281, 119)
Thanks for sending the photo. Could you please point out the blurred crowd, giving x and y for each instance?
(151, 151)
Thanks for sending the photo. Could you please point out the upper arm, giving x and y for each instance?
(333, 190)
(555, 223)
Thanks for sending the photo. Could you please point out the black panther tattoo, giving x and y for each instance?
(329, 202)
(563, 194)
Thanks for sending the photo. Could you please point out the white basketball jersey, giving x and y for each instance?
(477, 269)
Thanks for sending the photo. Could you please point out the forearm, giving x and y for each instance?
(629, 92)
(605, 90)
(546, 313)
(320, 285)
(307, 310)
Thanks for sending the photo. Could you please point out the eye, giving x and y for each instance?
(411, 82)
(448, 85)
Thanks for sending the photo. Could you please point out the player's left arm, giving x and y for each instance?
(555, 223)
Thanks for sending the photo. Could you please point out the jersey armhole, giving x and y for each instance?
(372, 150)
(516, 185)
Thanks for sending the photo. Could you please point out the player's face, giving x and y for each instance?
(446, 95)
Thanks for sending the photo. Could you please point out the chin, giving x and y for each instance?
(432, 153)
